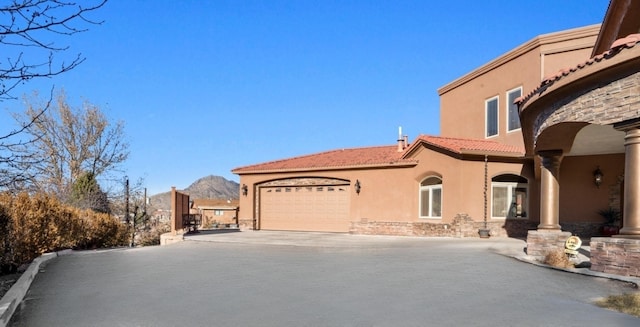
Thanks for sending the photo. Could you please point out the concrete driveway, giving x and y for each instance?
(314, 279)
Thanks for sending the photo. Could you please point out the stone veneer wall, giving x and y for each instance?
(539, 243)
(462, 226)
(245, 224)
(583, 230)
(612, 255)
(614, 102)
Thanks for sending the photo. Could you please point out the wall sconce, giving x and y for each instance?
(357, 186)
(597, 177)
(245, 189)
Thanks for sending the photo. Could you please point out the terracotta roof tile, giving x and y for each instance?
(466, 146)
(624, 43)
(215, 202)
(343, 158)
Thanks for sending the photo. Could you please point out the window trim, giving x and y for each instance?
(430, 189)
(511, 187)
(508, 105)
(486, 117)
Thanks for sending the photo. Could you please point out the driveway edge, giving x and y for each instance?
(12, 299)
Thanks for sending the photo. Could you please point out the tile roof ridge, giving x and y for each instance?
(312, 155)
(618, 45)
(460, 145)
(462, 139)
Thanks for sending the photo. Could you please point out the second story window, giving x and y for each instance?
(513, 118)
(491, 113)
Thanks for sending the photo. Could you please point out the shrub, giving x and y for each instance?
(31, 225)
(152, 235)
(557, 258)
(101, 230)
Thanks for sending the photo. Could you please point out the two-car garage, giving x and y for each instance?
(322, 207)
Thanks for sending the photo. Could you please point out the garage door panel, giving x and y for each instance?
(317, 208)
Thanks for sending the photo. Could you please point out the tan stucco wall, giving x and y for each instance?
(462, 102)
(462, 110)
(208, 217)
(392, 194)
(579, 197)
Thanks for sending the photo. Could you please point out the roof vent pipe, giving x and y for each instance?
(400, 140)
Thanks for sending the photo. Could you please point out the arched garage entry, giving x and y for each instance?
(304, 204)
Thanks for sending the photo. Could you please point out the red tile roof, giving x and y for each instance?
(380, 156)
(336, 159)
(469, 146)
(216, 202)
(621, 44)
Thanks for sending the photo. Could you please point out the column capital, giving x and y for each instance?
(549, 153)
(551, 160)
(627, 125)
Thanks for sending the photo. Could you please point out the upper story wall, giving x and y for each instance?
(479, 105)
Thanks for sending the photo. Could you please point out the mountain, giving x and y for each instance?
(209, 187)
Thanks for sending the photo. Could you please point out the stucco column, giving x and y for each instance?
(631, 210)
(550, 190)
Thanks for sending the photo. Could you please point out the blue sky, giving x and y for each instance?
(207, 86)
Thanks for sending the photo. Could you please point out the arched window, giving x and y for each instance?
(431, 198)
(509, 197)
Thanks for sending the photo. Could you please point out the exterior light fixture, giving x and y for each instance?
(245, 189)
(357, 186)
(597, 177)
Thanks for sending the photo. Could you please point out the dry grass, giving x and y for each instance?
(625, 303)
(557, 258)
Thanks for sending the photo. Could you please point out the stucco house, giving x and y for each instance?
(584, 121)
(446, 185)
(218, 211)
(534, 143)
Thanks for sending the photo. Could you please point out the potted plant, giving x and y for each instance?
(612, 221)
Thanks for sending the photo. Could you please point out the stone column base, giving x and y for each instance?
(541, 242)
(619, 256)
(169, 238)
(245, 224)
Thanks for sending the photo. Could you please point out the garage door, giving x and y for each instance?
(305, 208)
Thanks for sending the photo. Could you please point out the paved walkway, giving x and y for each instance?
(314, 279)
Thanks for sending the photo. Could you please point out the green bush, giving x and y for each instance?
(31, 225)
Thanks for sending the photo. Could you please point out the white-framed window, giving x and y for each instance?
(431, 198)
(513, 117)
(491, 117)
(218, 212)
(509, 197)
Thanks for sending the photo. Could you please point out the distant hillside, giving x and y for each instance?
(210, 187)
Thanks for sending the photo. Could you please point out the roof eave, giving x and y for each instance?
(309, 169)
(505, 154)
(519, 51)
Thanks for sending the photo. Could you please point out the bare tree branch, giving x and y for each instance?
(70, 142)
(28, 51)
(27, 24)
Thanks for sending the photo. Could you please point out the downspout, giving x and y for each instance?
(486, 166)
